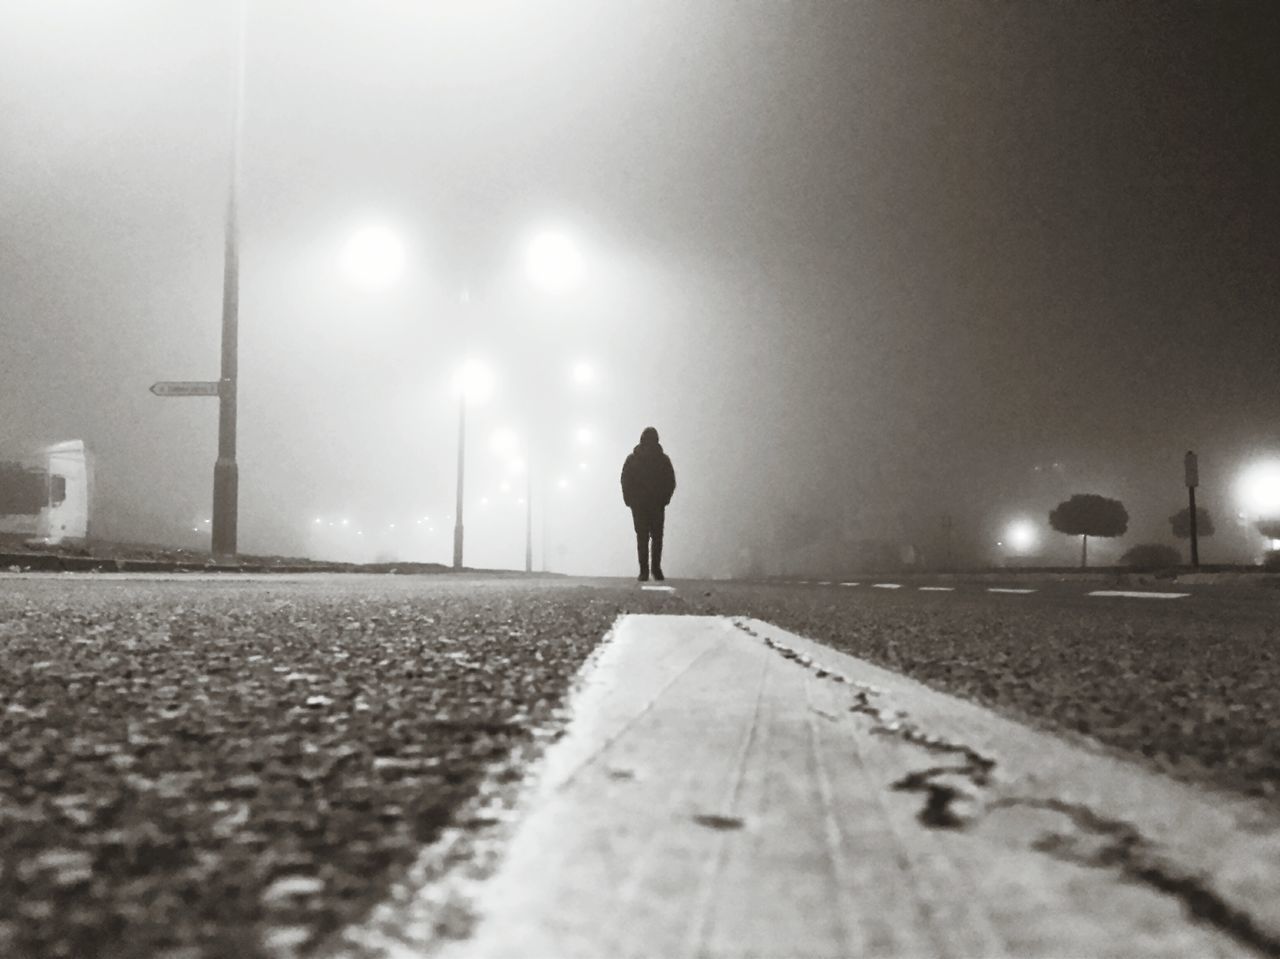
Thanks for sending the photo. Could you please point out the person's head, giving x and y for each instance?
(649, 437)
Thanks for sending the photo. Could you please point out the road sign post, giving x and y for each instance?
(1191, 468)
(185, 388)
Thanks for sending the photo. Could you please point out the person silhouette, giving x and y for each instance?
(648, 483)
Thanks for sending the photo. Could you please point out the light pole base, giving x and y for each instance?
(457, 546)
(226, 494)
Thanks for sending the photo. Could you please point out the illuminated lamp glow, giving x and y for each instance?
(1022, 535)
(374, 257)
(1258, 489)
(553, 262)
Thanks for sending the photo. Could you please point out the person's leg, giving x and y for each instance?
(657, 522)
(641, 523)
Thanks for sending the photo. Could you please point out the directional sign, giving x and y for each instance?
(185, 388)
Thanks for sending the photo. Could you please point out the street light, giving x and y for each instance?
(226, 472)
(553, 262)
(1021, 535)
(374, 256)
(1258, 489)
(474, 383)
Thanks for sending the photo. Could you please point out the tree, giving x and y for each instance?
(1181, 522)
(1270, 528)
(1151, 556)
(1088, 514)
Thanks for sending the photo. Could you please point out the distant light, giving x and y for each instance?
(553, 262)
(516, 466)
(504, 486)
(582, 466)
(319, 520)
(374, 257)
(391, 526)
(484, 501)
(563, 483)
(520, 500)
(582, 435)
(346, 522)
(1258, 489)
(475, 381)
(504, 441)
(1022, 535)
(583, 373)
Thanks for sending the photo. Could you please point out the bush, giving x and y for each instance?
(1152, 556)
(1271, 559)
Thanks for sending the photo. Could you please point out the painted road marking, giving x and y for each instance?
(1004, 589)
(1133, 594)
(937, 589)
(825, 582)
(664, 589)
(848, 584)
(698, 804)
(887, 585)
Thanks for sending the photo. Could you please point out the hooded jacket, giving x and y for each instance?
(648, 478)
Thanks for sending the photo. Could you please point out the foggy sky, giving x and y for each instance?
(869, 262)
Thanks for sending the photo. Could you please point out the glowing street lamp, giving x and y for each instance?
(1258, 489)
(554, 263)
(474, 382)
(1021, 535)
(374, 257)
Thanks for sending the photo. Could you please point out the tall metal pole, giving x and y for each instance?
(462, 446)
(528, 518)
(546, 507)
(1195, 546)
(226, 475)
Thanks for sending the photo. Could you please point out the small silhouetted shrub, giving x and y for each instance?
(1151, 556)
(1271, 559)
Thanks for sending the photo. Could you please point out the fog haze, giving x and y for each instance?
(867, 267)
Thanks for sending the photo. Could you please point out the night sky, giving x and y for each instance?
(863, 265)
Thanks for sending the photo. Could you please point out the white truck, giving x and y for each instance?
(45, 496)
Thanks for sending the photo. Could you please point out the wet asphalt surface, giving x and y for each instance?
(222, 766)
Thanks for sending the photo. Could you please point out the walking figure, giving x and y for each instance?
(648, 482)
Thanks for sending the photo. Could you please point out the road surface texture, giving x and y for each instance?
(206, 766)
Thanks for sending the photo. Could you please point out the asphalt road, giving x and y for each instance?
(196, 766)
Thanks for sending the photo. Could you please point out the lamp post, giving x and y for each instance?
(474, 382)
(462, 457)
(226, 473)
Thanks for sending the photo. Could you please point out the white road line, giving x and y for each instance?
(887, 585)
(664, 589)
(937, 589)
(1137, 595)
(848, 584)
(825, 582)
(1003, 589)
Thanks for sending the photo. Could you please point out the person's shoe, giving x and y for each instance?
(657, 574)
(644, 576)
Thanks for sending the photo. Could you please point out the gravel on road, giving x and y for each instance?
(1190, 689)
(199, 768)
(222, 766)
